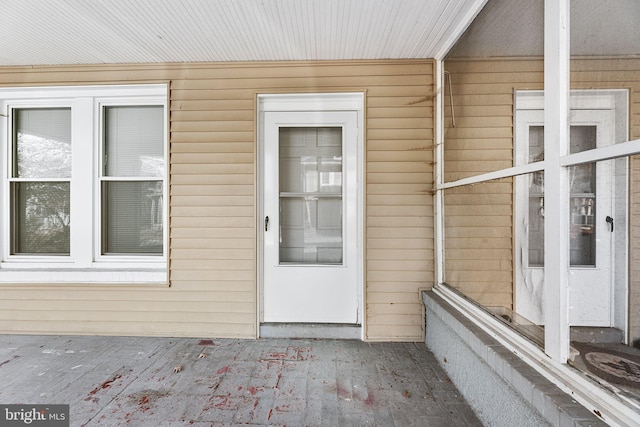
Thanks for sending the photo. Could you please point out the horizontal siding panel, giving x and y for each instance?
(201, 190)
(482, 155)
(482, 199)
(224, 235)
(398, 265)
(401, 123)
(388, 134)
(423, 199)
(208, 275)
(394, 309)
(231, 136)
(456, 265)
(130, 316)
(211, 115)
(204, 222)
(287, 82)
(477, 144)
(425, 275)
(479, 133)
(395, 333)
(393, 243)
(419, 111)
(482, 211)
(181, 291)
(395, 211)
(212, 126)
(477, 243)
(218, 211)
(395, 319)
(396, 287)
(399, 177)
(492, 277)
(225, 200)
(482, 231)
(204, 250)
(213, 105)
(477, 254)
(393, 298)
(212, 147)
(210, 265)
(423, 147)
(414, 233)
(409, 254)
(126, 328)
(391, 189)
(214, 179)
(400, 156)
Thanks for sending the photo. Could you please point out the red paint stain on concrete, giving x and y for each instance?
(255, 390)
(103, 386)
(223, 370)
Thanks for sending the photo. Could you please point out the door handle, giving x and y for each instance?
(610, 222)
(266, 223)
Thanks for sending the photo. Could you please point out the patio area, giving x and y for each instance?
(114, 381)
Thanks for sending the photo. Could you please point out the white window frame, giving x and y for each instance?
(85, 264)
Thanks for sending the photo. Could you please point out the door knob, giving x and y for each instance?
(610, 222)
(266, 223)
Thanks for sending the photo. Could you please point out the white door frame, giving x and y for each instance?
(310, 102)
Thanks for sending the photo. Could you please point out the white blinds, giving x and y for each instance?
(132, 185)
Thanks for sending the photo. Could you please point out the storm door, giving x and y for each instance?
(310, 241)
(592, 221)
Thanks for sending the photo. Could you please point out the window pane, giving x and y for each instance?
(311, 230)
(134, 141)
(311, 224)
(132, 217)
(536, 144)
(42, 143)
(40, 218)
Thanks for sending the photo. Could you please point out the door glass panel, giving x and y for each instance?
(535, 229)
(582, 183)
(310, 195)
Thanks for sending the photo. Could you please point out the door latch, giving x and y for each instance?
(266, 223)
(610, 222)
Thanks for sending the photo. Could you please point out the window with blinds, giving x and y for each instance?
(40, 181)
(132, 180)
(85, 184)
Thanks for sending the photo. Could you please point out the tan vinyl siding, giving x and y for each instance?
(213, 193)
(479, 252)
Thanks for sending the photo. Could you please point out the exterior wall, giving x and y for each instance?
(213, 193)
(482, 141)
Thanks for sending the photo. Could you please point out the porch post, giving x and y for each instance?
(556, 140)
(438, 204)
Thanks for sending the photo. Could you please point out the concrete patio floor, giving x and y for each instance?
(115, 381)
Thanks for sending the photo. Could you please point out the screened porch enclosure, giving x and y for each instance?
(540, 190)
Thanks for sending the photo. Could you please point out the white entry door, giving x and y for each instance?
(311, 268)
(592, 222)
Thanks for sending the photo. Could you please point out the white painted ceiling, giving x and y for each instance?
(51, 32)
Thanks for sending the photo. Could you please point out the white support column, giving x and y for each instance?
(556, 141)
(438, 205)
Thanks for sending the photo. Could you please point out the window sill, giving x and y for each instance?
(121, 276)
